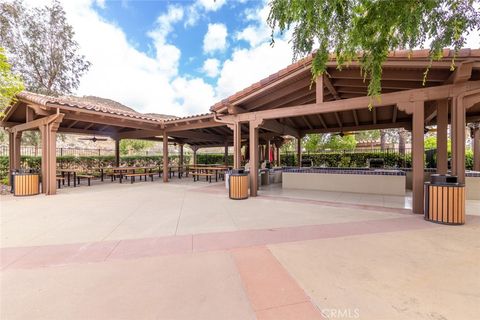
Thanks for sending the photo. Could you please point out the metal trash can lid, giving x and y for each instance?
(238, 172)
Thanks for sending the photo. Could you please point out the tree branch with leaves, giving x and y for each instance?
(366, 30)
(40, 44)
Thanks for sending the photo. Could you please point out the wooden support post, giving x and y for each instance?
(237, 145)
(117, 152)
(418, 151)
(299, 151)
(11, 147)
(278, 156)
(194, 149)
(48, 133)
(458, 139)
(476, 147)
(180, 158)
(253, 137)
(17, 141)
(267, 151)
(165, 156)
(442, 136)
(225, 154)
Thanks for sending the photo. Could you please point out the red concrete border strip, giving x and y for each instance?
(272, 292)
(42, 256)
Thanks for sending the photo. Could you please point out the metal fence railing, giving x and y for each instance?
(85, 152)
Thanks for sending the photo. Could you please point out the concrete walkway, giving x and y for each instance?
(183, 250)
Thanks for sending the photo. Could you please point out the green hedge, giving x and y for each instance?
(339, 159)
(215, 158)
(87, 163)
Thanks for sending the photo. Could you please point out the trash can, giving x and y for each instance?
(444, 200)
(238, 185)
(25, 183)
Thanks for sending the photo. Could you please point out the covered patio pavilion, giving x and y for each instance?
(286, 104)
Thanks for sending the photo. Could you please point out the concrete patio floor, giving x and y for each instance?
(183, 250)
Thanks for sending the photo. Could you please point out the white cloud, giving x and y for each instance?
(151, 83)
(211, 67)
(211, 5)
(257, 31)
(247, 66)
(216, 38)
(168, 55)
(196, 96)
(121, 72)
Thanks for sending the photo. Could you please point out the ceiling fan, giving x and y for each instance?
(94, 139)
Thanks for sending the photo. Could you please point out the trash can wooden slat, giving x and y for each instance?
(26, 184)
(445, 203)
(238, 186)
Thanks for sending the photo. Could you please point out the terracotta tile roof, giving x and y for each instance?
(99, 107)
(191, 117)
(306, 62)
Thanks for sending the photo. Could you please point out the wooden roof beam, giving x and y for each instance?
(195, 135)
(430, 112)
(395, 113)
(361, 127)
(337, 117)
(235, 109)
(272, 85)
(96, 119)
(374, 115)
(139, 134)
(277, 127)
(309, 125)
(462, 73)
(408, 75)
(86, 132)
(283, 96)
(73, 123)
(193, 125)
(322, 121)
(330, 87)
(355, 116)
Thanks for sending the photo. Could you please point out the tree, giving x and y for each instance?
(40, 44)
(368, 136)
(10, 84)
(366, 30)
(336, 142)
(131, 145)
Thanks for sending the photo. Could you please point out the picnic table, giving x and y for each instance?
(125, 170)
(208, 171)
(69, 172)
(180, 169)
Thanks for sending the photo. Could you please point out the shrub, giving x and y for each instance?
(87, 163)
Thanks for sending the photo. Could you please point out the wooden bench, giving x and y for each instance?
(197, 175)
(84, 176)
(114, 175)
(142, 174)
(60, 181)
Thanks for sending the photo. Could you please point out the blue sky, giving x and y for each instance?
(173, 57)
(137, 18)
